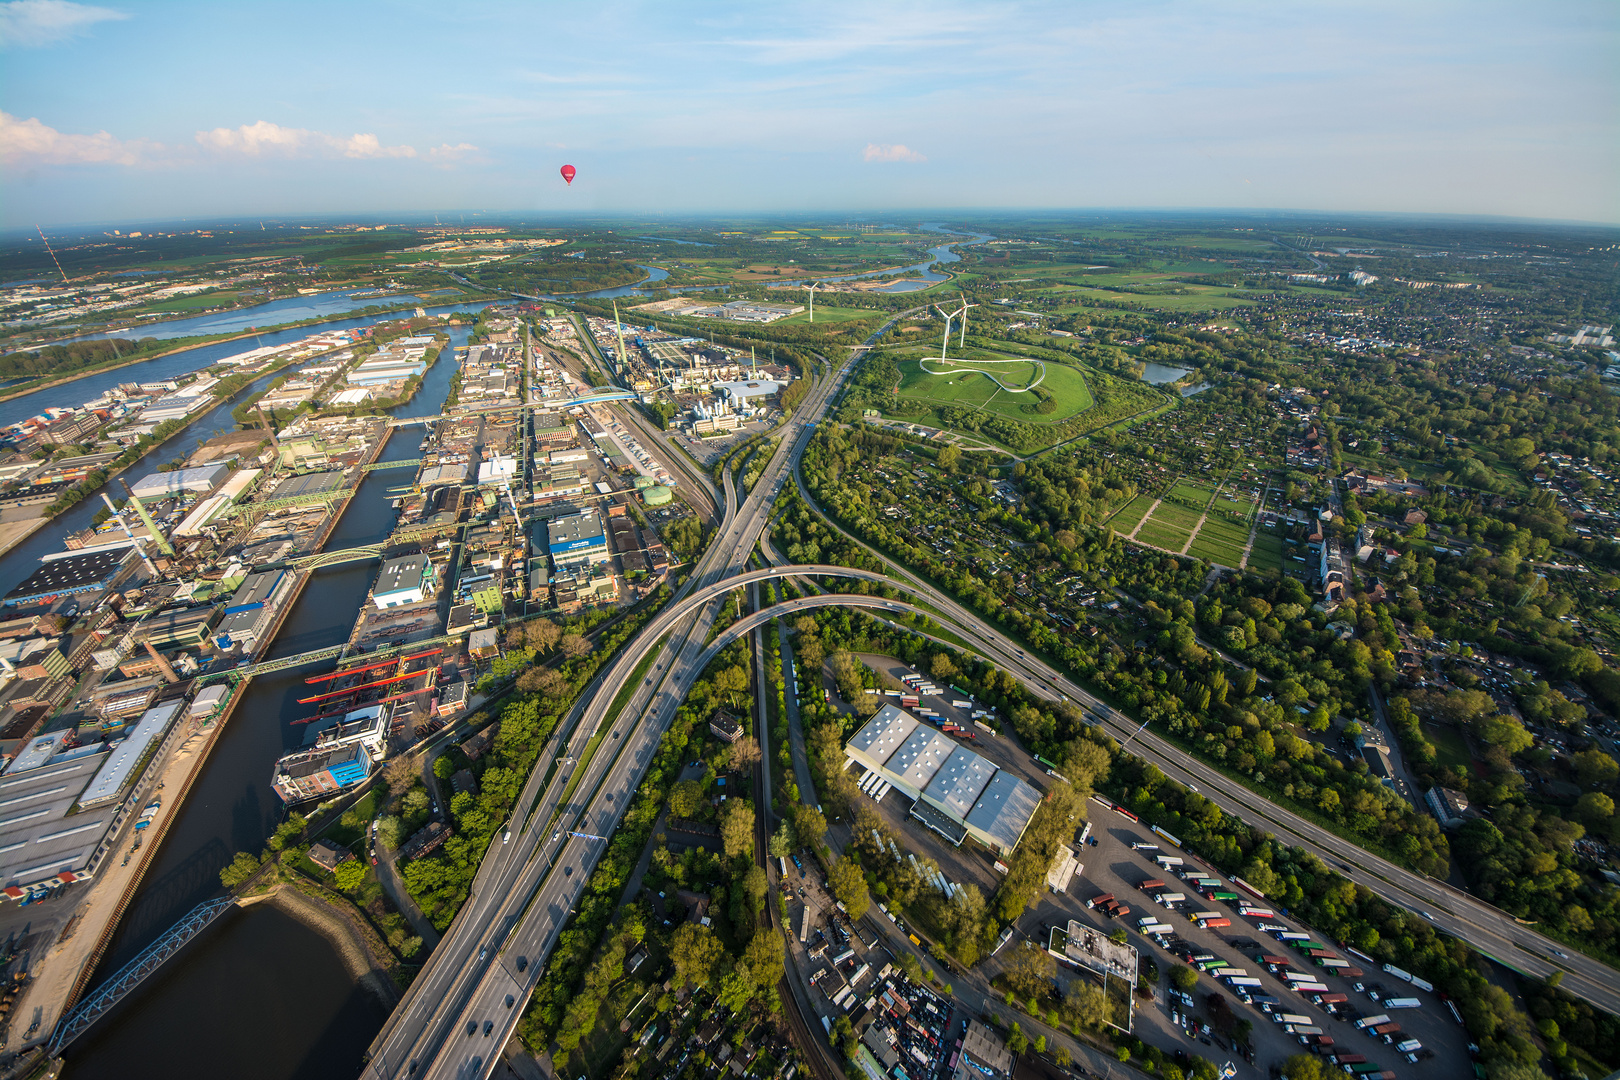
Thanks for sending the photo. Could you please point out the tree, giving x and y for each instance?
(733, 683)
(943, 667)
(1305, 1067)
(1086, 1006)
(849, 886)
(541, 635)
(1594, 768)
(1183, 978)
(808, 825)
(1029, 971)
(745, 753)
(400, 773)
(240, 869)
(737, 828)
(764, 959)
(575, 646)
(443, 767)
(949, 458)
(782, 841)
(685, 798)
(756, 885)
(349, 875)
(390, 832)
(548, 682)
(696, 954)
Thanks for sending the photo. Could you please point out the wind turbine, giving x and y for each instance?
(946, 340)
(962, 344)
(812, 287)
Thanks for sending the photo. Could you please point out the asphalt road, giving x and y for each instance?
(465, 1004)
(1487, 929)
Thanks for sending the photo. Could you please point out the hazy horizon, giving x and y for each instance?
(124, 113)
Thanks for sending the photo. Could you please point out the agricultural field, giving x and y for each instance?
(1267, 555)
(1131, 514)
(1175, 519)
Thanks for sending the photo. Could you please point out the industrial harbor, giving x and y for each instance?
(129, 651)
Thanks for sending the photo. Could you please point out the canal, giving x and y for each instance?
(261, 995)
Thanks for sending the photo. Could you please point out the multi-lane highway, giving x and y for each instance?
(466, 1002)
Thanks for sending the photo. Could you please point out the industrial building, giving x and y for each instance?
(157, 486)
(576, 540)
(336, 756)
(408, 579)
(71, 572)
(957, 793)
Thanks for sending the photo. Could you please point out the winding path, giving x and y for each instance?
(923, 363)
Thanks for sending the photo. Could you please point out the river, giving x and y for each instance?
(270, 313)
(262, 995)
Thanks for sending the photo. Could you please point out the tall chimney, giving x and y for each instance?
(168, 672)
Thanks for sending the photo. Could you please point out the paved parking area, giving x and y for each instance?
(1166, 1021)
(1112, 866)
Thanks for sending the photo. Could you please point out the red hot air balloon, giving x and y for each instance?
(568, 174)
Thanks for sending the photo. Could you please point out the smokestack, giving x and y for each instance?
(157, 534)
(168, 672)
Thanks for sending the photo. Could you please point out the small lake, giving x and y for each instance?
(1160, 374)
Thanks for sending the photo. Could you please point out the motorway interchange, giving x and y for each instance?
(465, 1004)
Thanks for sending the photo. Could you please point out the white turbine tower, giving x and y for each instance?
(812, 287)
(962, 344)
(946, 340)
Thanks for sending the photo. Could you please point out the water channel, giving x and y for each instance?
(262, 995)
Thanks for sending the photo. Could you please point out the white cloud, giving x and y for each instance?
(446, 152)
(29, 142)
(266, 139)
(31, 23)
(894, 152)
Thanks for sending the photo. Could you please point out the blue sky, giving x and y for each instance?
(126, 111)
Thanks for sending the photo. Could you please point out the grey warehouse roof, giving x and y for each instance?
(1004, 809)
(922, 755)
(958, 785)
(882, 735)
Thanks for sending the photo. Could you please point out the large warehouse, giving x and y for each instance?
(957, 792)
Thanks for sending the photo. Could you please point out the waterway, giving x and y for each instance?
(922, 275)
(271, 313)
(272, 995)
(77, 392)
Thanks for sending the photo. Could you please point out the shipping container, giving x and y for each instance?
(1098, 901)
(1150, 885)
(1212, 924)
(1275, 961)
